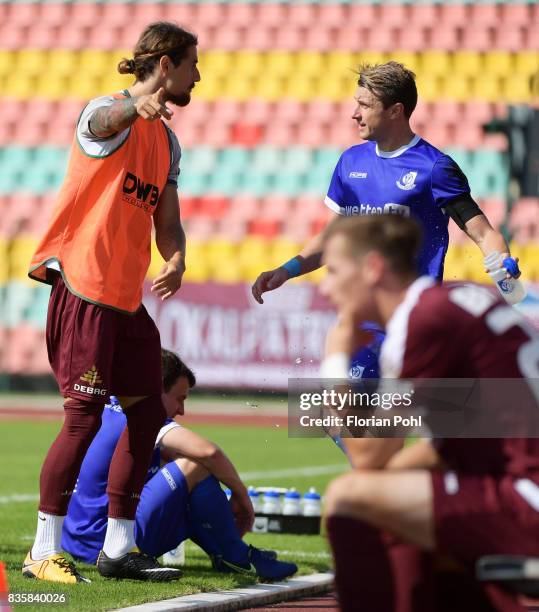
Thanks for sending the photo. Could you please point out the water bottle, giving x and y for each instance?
(312, 504)
(511, 289)
(292, 503)
(272, 503)
(254, 496)
(175, 556)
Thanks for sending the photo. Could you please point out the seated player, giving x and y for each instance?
(182, 499)
(464, 498)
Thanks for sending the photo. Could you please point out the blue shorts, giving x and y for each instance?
(161, 519)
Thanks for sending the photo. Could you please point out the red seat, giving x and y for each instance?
(14, 36)
(72, 37)
(257, 111)
(227, 39)
(332, 15)
(117, 13)
(363, 15)
(382, 38)
(106, 36)
(53, 14)
(183, 13)
(189, 207)
(397, 15)
(268, 228)
(456, 14)
(30, 133)
(444, 38)
(271, 14)
(424, 15)
(246, 134)
(477, 37)
(301, 15)
(200, 228)
(495, 211)
(509, 37)
(147, 12)
(258, 39)
(515, 14)
(531, 37)
(291, 111)
(446, 111)
(85, 14)
(244, 207)
(478, 111)
(289, 39)
(211, 14)
(484, 14)
(280, 134)
(413, 39)
(214, 207)
(320, 38)
(240, 14)
(275, 206)
(524, 220)
(23, 14)
(321, 111)
(312, 134)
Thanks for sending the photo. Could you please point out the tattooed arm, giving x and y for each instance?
(109, 120)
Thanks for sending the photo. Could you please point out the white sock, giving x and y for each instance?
(48, 536)
(120, 537)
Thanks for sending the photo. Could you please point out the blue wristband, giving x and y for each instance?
(293, 267)
(511, 265)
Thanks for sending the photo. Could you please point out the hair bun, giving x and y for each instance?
(126, 66)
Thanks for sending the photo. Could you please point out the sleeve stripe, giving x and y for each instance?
(333, 205)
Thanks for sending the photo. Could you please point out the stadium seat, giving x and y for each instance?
(477, 37)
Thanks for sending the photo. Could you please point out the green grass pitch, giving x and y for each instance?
(254, 450)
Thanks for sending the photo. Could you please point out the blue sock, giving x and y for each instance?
(211, 522)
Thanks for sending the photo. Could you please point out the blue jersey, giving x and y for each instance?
(86, 521)
(416, 180)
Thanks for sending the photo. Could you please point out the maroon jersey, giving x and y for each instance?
(463, 330)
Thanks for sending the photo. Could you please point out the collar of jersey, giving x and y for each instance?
(400, 150)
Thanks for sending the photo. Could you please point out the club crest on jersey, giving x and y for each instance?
(407, 181)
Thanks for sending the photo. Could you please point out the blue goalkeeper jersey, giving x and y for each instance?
(86, 521)
(416, 180)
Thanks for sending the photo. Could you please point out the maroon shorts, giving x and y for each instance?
(483, 515)
(96, 351)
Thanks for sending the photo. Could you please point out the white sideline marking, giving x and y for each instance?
(314, 470)
(239, 599)
(19, 497)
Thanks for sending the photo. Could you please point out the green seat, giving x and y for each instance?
(297, 158)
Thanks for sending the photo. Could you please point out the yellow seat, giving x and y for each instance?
(516, 88)
(52, 86)
(279, 63)
(19, 86)
(247, 63)
(428, 87)
(282, 250)
(4, 262)
(408, 58)
(528, 255)
(31, 62)
(87, 88)
(527, 62)
(310, 63)
(487, 87)
(217, 62)
(22, 250)
(209, 88)
(268, 87)
(372, 57)
(95, 62)
(7, 62)
(456, 87)
(302, 87)
(467, 63)
(223, 261)
(452, 264)
(62, 62)
(255, 256)
(337, 89)
(499, 63)
(436, 63)
(237, 88)
(341, 63)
